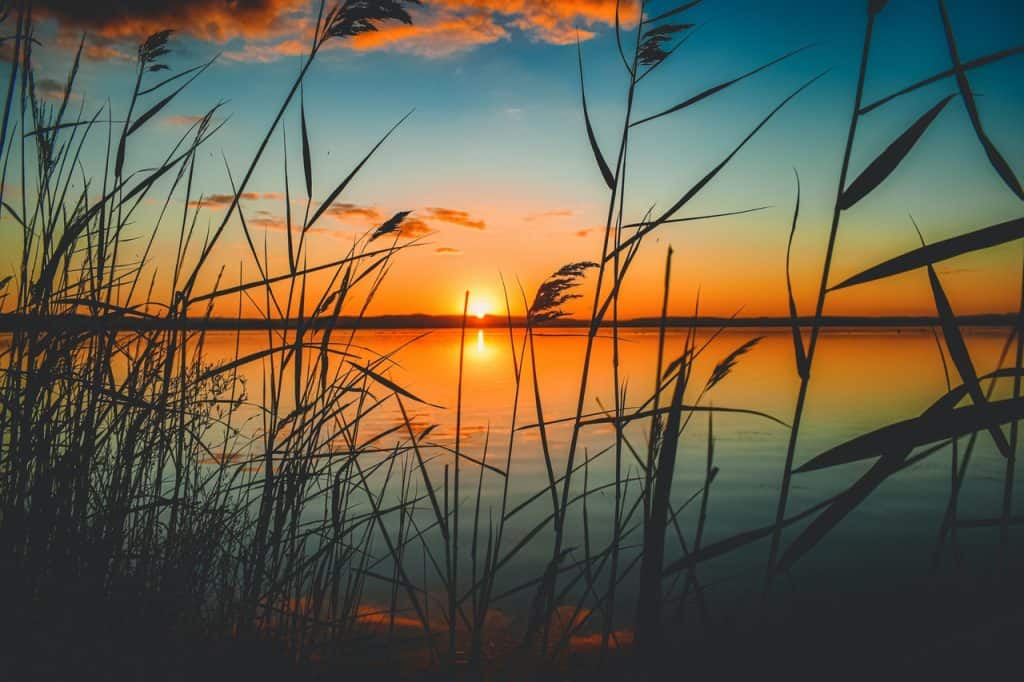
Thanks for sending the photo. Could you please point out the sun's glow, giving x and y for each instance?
(479, 308)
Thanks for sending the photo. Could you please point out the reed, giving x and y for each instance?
(192, 502)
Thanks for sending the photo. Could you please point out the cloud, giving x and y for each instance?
(551, 21)
(220, 201)
(183, 120)
(211, 20)
(455, 217)
(278, 224)
(584, 233)
(51, 88)
(343, 211)
(553, 213)
(416, 225)
(447, 251)
(413, 227)
(269, 29)
(439, 36)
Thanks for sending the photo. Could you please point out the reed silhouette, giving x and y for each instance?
(161, 516)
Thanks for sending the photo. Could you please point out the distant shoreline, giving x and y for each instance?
(10, 322)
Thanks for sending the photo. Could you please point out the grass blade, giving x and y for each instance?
(390, 385)
(929, 427)
(886, 162)
(995, 158)
(717, 88)
(307, 165)
(798, 340)
(673, 12)
(986, 237)
(606, 172)
(961, 357)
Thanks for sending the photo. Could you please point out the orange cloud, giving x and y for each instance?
(211, 20)
(413, 227)
(270, 29)
(447, 251)
(219, 201)
(342, 211)
(455, 217)
(553, 213)
(441, 36)
(277, 224)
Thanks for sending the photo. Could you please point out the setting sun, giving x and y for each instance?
(479, 308)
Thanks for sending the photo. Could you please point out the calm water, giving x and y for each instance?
(862, 380)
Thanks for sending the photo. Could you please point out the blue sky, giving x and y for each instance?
(498, 136)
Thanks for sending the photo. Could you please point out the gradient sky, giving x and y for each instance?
(496, 164)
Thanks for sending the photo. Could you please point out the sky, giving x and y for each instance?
(494, 161)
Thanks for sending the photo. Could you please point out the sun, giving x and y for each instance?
(479, 308)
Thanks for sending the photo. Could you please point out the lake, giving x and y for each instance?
(863, 379)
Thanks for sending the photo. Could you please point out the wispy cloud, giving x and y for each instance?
(456, 217)
(447, 251)
(51, 89)
(363, 216)
(278, 224)
(220, 201)
(343, 211)
(184, 120)
(553, 213)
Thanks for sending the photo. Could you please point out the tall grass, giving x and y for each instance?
(139, 480)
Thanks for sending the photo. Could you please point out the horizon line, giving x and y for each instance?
(10, 322)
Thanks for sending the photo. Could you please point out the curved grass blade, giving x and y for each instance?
(986, 237)
(156, 108)
(955, 395)
(259, 355)
(929, 427)
(647, 414)
(307, 165)
(344, 183)
(266, 281)
(673, 12)
(700, 184)
(973, 64)
(886, 162)
(995, 158)
(737, 541)
(961, 357)
(802, 369)
(606, 172)
(848, 500)
(718, 88)
(392, 386)
(618, 38)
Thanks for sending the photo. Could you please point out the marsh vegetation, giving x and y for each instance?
(172, 497)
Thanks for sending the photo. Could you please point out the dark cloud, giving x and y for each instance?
(50, 88)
